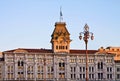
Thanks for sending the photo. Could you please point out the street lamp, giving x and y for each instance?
(86, 36)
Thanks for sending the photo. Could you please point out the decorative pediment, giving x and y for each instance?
(20, 51)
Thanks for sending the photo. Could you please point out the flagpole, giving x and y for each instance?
(61, 16)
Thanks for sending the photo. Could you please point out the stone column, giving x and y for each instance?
(67, 68)
(35, 67)
(15, 67)
(25, 67)
(55, 67)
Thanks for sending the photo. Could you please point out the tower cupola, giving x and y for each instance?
(60, 38)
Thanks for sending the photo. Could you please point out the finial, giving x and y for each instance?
(61, 15)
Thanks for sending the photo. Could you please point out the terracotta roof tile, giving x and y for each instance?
(82, 51)
(72, 51)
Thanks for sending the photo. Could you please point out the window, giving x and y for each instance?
(72, 60)
(109, 60)
(40, 75)
(100, 65)
(61, 66)
(62, 75)
(66, 47)
(109, 76)
(80, 69)
(109, 69)
(50, 75)
(89, 69)
(118, 76)
(83, 69)
(81, 60)
(50, 69)
(92, 69)
(118, 69)
(80, 76)
(91, 76)
(56, 47)
(39, 68)
(73, 69)
(83, 76)
(100, 75)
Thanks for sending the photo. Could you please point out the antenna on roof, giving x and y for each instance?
(61, 15)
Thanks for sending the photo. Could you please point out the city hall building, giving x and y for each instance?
(60, 63)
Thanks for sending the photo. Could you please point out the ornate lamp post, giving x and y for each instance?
(86, 36)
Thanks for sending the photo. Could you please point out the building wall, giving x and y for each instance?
(117, 71)
(49, 66)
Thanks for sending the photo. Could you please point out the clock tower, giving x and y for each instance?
(60, 38)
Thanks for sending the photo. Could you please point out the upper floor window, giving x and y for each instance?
(109, 69)
(20, 63)
(118, 69)
(91, 69)
(100, 65)
(61, 66)
(100, 75)
(73, 69)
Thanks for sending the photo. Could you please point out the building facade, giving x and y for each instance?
(59, 63)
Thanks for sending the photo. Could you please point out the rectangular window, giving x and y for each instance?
(117, 69)
(89, 69)
(80, 69)
(110, 69)
(83, 76)
(80, 76)
(62, 75)
(92, 69)
(71, 69)
(71, 76)
(107, 76)
(74, 69)
(100, 75)
(110, 76)
(83, 69)
(74, 75)
(118, 76)
(107, 69)
(92, 76)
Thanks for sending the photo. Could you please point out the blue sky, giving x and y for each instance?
(30, 23)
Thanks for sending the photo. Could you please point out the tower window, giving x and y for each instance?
(56, 47)
(59, 47)
(66, 47)
(63, 47)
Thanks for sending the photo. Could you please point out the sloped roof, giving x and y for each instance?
(60, 27)
(82, 51)
(72, 51)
